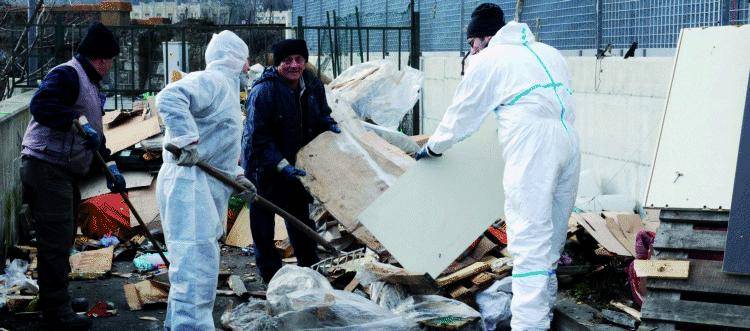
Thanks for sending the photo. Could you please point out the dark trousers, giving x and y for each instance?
(53, 196)
(293, 198)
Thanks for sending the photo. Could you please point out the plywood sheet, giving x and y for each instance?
(131, 132)
(694, 165)
(145, 203)
(440, 206)
(597, 227)
(92, 262)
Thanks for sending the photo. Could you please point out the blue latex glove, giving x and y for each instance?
(118, 184)
(92, 137)
(425, 153)
(290, 172)
(334, 128)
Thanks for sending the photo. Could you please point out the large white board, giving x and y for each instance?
(695, 159)
(440, 206)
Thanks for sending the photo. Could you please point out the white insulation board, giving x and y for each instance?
(441, 205)
(695, 160)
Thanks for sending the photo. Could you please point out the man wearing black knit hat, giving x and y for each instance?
(55, 158)
(526, 84)
(287, 109)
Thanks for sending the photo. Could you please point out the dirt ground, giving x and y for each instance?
(111, 289)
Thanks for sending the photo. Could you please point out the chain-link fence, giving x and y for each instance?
(565, 24)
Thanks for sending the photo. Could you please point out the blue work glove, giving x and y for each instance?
(117, 184)
(290, 172)
(92, 137)
(334, 128)
(426, 153)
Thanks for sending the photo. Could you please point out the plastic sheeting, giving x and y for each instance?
(438, 311)
(304, 300)
(15, 276)
(494, 304)
(395, 138)
(378, 91)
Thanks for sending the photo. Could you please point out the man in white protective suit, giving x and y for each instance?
(527, 85)
(202, 116)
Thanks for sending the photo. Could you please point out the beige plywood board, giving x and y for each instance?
(145, 203)
(441, 205)
(93, 186)
(241, 236)
(695, 160)
(664, 269)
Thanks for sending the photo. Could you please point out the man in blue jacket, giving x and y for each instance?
(55, 157)
(287, 109)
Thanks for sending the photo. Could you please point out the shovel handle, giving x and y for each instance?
(295, 222)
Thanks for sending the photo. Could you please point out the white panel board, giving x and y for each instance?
(695, 160)
(439, 206)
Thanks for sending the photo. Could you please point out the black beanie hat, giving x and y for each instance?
(99, 43)
(288, 47)
(486, 20)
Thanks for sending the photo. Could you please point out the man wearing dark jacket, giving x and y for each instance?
(287, 109)
(55, 157)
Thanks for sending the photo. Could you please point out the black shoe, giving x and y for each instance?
(69, 321)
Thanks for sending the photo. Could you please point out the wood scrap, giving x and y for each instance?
(421, 139)
(663, 269)
(94, 186)
(17, 303)
(469, 271)
(459, 291)
(484, 247)
(144, 201)
(238, 286)
(144, 293)
(624, 227)
(352, 285)
(284, 247)
(628, 310)
(241, 236)
(482, 279)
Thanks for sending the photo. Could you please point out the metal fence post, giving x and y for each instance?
(414, 54)
(598, 36)
(300, 28)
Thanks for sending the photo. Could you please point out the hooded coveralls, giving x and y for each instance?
(527, 85)
(202, 107)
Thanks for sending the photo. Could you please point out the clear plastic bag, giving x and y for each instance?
(494, 304)
(378, 91)
(300, 298)
(439, 312)
(388, 296)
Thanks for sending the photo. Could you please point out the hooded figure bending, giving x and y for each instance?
(202, 116)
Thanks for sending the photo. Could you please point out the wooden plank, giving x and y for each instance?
(719, 217)
(482, 279)
(706, 277)
(664, 269)
(94, 186)
(626, 309)
(736, 259)
(463, 273)
(682, 236)
(241, 236)
(352, 285)
(131, 132)
(703, 313)
(446, 211)
(459, 292)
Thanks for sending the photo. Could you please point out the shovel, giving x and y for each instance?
(293, 221)
(124, 196)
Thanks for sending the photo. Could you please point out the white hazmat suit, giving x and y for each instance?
(202, 107)
(527, 85)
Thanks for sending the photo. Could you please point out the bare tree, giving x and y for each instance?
(19, 54)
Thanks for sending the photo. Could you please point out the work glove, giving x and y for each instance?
(292, 173)
(188, 156)
(92, 137)
(426, 153)
(248, 194)
(117, 183)
(334, 128)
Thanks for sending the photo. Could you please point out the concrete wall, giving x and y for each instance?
(619, 105)
(14, 117)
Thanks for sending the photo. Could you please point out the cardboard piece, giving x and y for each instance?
(624, 227)
(441, 205)
(91, 264)
(131, 131)
(145, 203)
(663, 269)
(145, 292)
(597, 227)
(93, 186)
(241, 236)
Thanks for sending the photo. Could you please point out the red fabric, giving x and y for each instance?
(99, 310)
(104, 214)
(499, 233)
